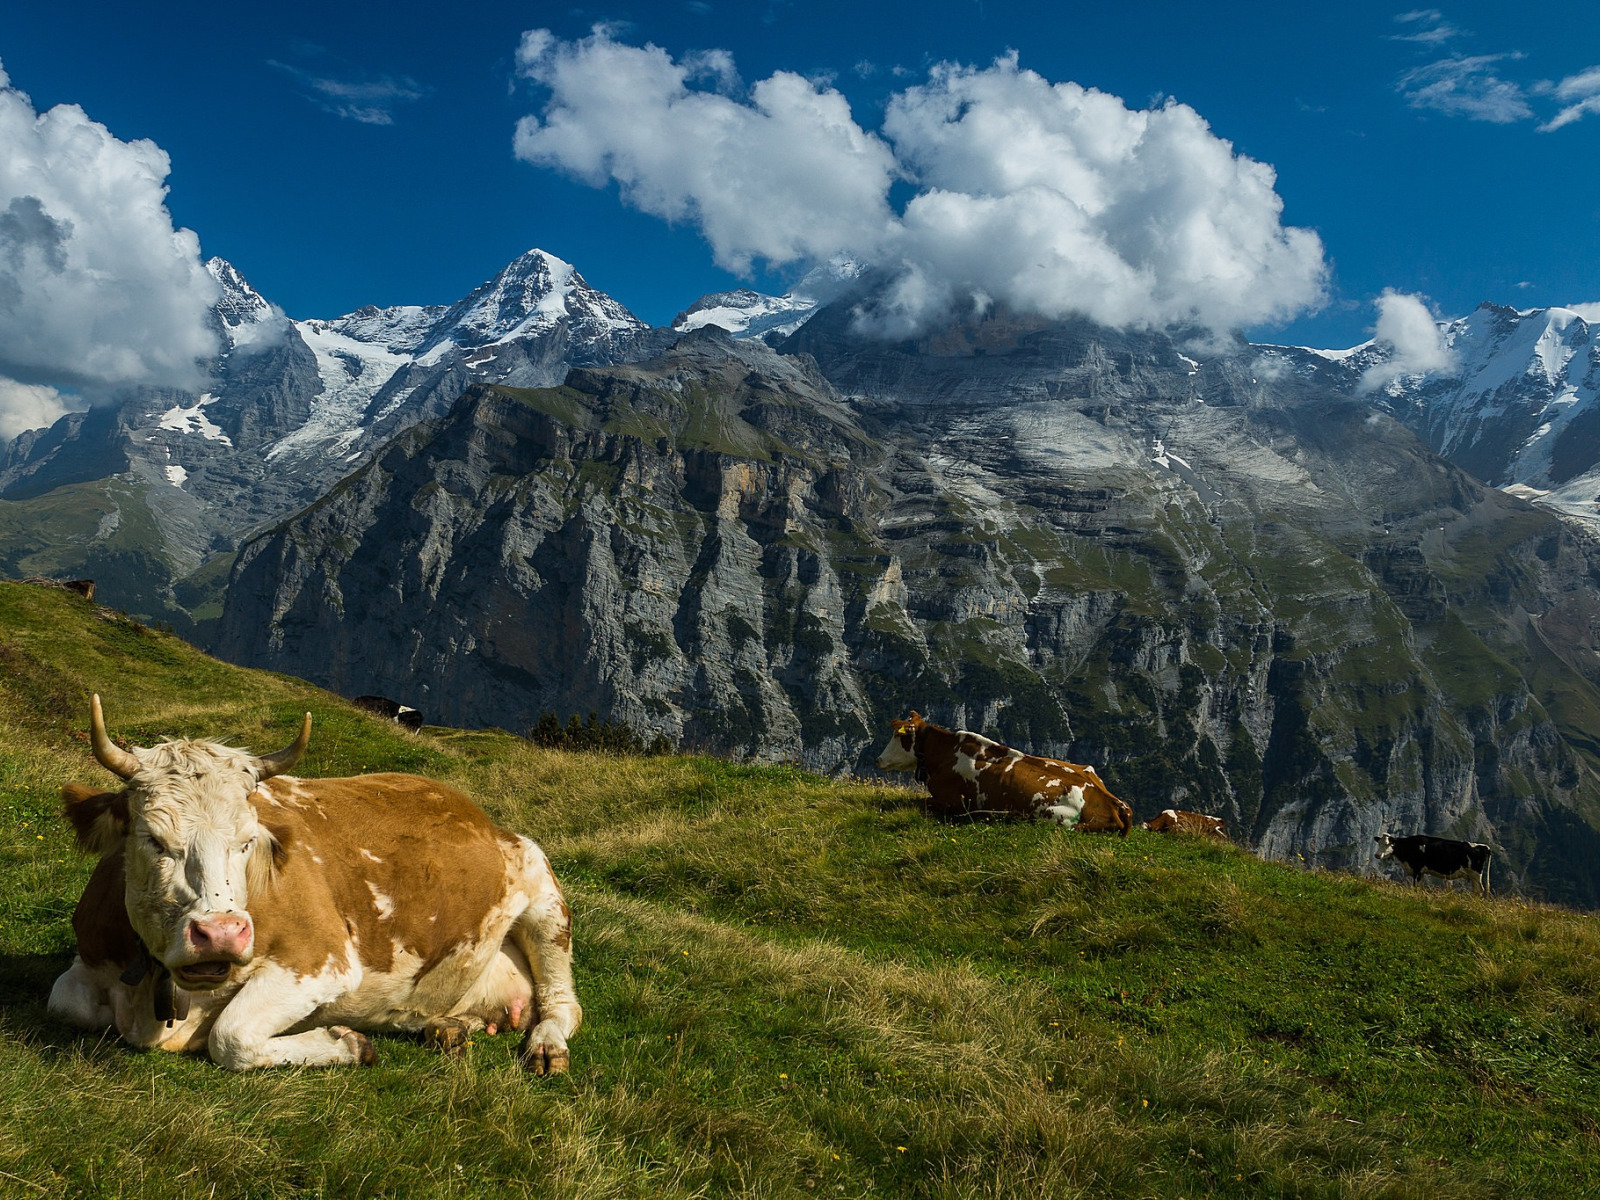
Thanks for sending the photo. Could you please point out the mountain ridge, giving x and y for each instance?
(1279, 606)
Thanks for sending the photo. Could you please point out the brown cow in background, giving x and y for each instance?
(1177, 820)
(969, 774)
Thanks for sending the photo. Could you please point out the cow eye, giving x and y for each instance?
(248, 846)
(156, 843)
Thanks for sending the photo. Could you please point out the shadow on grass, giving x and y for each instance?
(25, 982)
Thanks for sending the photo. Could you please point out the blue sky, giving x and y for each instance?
(363, 153)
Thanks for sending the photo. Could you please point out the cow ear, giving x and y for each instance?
(278, 839)
(100, 819)
(269, 857)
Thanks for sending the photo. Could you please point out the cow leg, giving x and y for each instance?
(80, 998)
(543, 932)
(247, 1031)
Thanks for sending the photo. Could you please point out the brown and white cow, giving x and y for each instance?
(1178, 820)
(967, 773)
(267, 920)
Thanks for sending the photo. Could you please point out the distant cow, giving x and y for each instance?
(267, 920)
(1421, 854)
(967, 773)
(393, 710)
(84, 587)
(1177, 820)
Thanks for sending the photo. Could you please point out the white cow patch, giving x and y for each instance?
(896, 757)
(370, 856)
(384, 904)
(1069, 809)
(966, 766)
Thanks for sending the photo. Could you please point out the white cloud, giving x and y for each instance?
(1417, 344)
(1427, 26)
(1057, 198)
(97, 289)
(786, 177)
(1051, 198)
(367, 101)
(25, 406)
(1467, 87)
(1582, 95)
(1590, 312)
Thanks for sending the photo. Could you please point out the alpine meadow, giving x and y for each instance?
(809, 598)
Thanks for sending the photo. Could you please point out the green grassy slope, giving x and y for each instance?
(794, 987)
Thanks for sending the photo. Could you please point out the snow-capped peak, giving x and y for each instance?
(534, 293)
(246, 316)
(748, 314)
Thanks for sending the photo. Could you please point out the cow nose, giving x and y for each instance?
(220, 935)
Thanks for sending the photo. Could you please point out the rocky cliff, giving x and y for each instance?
(1251, 595)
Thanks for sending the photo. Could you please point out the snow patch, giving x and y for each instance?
(175, 475)
(193, 420)
(352, 371)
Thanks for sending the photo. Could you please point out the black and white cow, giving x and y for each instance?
(1422, 854)
(393, 710)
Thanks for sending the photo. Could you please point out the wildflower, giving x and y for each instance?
(782, 1076)
(1145, 1103)
(902, 1149)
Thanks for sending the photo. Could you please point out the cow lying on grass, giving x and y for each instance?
(969, 774)
(1178, 820)
(267, 920)
(1421, 854)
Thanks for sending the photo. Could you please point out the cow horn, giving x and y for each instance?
(285, 759)
(106, 752)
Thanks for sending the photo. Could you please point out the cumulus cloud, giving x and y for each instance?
(26, 406)
(787, 176)
(1049, 197)
(1467, 86)
(97, 289)
(1415, 341)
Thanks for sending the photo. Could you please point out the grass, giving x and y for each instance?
(799, 986)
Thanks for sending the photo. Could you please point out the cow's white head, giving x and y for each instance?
(1385, 845)
(193, 846)
(901, 752)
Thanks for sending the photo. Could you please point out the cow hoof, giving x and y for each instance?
(544, 1058)
(360, 1045)
(446, 1035)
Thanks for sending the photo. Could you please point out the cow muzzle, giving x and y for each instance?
(218, 943)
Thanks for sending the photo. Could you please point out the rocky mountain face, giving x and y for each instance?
(153, 496)
(1238, 590)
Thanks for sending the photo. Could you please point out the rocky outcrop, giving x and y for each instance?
(1273, 603)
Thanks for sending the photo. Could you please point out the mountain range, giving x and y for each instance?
(1269, 582)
